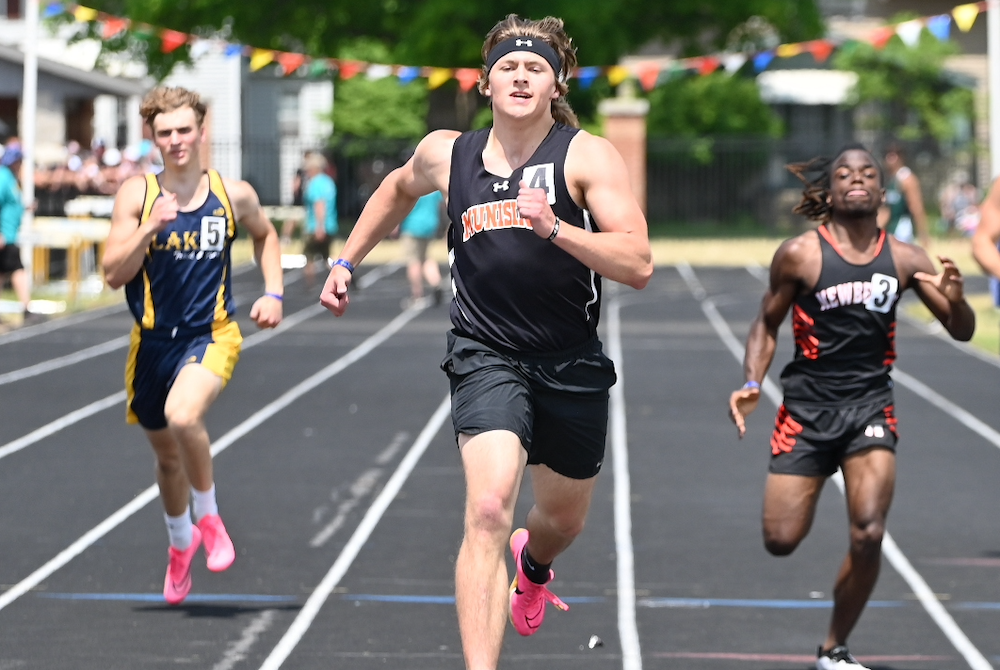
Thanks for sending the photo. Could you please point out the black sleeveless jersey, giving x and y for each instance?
(514, 289)
(845, 329)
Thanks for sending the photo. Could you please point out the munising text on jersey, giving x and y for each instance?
(494, 215)
(877, 295)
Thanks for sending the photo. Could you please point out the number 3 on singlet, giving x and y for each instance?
(213, 233)
(885, 290)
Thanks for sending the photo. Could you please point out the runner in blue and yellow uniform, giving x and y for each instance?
(842, 282)
(169, 246)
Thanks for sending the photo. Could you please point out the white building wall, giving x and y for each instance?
(106, 120)
(217, 78)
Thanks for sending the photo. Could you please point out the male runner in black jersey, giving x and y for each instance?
(540, 212)
(842, 282)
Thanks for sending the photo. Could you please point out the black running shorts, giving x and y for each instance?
(557, 404)
(10, 259)
(812, 440)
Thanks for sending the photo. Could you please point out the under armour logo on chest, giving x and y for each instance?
(497, 186)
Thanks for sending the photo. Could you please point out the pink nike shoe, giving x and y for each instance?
(219, 548)
(527, 599)
(177, 584)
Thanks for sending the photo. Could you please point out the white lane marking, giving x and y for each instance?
(890, 549)
(123, 341)
(57, 324)
(82, 317)
(62, 422)
(238, 650)
(259, 417)
(948, 407)
(376, 273)
(627, 628)
(364, 530)
(361, 487)
(63, 361)
(119, 397)
(397, 443)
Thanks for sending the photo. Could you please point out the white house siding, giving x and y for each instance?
(218, 79)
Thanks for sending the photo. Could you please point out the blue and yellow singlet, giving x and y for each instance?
(186, 280)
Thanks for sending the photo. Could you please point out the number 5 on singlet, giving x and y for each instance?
(213, 233)
(885, 290)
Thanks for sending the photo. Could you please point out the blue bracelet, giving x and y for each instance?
(276, 296)
(752, 385)
(344, 264)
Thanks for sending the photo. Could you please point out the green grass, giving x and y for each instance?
(987, 335)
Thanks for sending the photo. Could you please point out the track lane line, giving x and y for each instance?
(259, 337)
(322, 592)
(253, 421)
(628, 631)
(890, 549)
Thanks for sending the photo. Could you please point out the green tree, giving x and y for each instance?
(449, 33)
(916, 97)
(715, 104)
(379, 108)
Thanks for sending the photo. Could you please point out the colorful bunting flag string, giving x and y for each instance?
(648, 73)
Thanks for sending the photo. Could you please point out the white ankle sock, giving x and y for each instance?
(204, 503)
(179, 530)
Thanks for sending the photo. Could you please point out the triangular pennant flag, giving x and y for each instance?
(439, 76)
(199, 48)
(318, 67)
(378, 71)
(648, 76)
(762, 60)
(909, 32)
(350, 69)
(259, 58)
(407, 73)
(290, 62)
(617, 74)
(940, 26)
(708, 65)
(171, 40)
(84, 14)
(965, 16)
(788, 50)
(820, 50)
(53, 9)
(112, 26)
(587, 75)
(882, 36)
(733, 62)
(233, 50)
(467, 77)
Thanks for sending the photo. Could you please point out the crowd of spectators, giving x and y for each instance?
(98, 171)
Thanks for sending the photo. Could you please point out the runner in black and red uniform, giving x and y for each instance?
(842, 282)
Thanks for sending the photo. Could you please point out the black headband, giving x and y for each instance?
(532, 44)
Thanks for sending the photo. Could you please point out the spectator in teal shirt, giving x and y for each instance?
(11, 211)
(416, 232)
(320, 201)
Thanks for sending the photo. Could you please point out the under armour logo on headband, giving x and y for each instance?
(522, 43)
(532, 44)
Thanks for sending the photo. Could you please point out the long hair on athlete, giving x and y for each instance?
(814, 204)
(550, 30)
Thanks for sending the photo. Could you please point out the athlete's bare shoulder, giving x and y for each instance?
(798, 259)
(242, 196)
(130, 197)
(908, 259)
(431, 162)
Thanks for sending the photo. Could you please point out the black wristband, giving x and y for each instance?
(555, 230)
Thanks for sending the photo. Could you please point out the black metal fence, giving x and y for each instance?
(726, 182)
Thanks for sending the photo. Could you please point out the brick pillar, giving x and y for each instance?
(625, 128)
